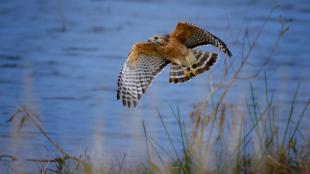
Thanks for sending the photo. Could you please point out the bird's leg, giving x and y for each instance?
(192, 70)
(186, 72)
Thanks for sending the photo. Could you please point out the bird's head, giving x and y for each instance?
(159, 40)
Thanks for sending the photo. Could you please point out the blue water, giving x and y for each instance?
(69, 77)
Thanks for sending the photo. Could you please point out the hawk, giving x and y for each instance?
(147, 59)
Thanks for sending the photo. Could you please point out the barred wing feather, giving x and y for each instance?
(135, 78)
(193, 36)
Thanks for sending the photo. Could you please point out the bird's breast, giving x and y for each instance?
(174, 50)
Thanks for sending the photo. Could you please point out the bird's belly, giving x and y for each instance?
(186, 60)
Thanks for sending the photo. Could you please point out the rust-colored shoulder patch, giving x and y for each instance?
(183, 31)
(143, 48)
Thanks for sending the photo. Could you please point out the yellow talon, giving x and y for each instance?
(188, 74)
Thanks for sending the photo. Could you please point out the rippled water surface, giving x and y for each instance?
(69, 77)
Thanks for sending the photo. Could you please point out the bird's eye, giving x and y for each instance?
(155, 38)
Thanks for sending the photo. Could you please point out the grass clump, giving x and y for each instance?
(260, 144)
(251, 143)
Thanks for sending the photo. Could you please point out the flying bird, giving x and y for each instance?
(147, 59)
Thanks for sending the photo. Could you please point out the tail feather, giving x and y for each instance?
(204, 61)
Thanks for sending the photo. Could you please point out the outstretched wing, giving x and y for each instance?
(193, 36)
(143, 64)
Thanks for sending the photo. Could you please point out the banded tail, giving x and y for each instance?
(205, 60)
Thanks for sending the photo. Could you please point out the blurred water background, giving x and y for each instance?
(61, 59)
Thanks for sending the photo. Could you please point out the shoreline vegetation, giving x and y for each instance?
(219, 140)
